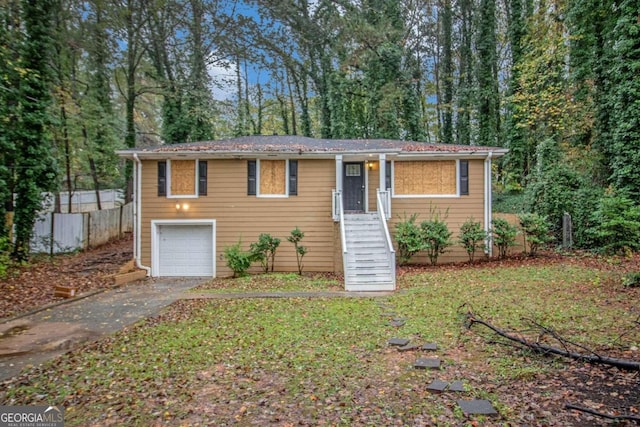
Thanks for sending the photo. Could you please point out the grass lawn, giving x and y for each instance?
(326, 361)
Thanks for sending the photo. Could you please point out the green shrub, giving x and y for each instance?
(264, 250)
(616, 225)
(5, 256)
(436, 237)
(535, 229)
(238, 260)
(632, 280)
(472, 237)
(503, 234)
(296, 237)
(408, 237)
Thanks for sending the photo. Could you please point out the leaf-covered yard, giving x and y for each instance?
(326, 361)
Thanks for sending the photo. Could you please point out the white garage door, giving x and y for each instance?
(185, 250)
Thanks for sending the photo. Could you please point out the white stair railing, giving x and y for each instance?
(382, 216)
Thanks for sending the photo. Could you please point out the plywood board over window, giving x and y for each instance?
(433, 177)
(273, 177)
(183, 177)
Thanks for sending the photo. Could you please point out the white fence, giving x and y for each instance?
(84, 201)
(66, 232)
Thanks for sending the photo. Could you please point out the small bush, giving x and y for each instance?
(408, 237)
(296, 237)
(535, 229)
(436, 237)
(632, 280)
(238, 260)
(504, 235)
(264, 250)
(472, 237)
(616, 225)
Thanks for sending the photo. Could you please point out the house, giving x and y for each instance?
(193, 200)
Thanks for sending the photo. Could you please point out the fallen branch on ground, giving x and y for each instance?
(626, 364)
(601, 414)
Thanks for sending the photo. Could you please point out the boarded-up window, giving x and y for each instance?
(434, 177)
(183, 177)
(273, 177)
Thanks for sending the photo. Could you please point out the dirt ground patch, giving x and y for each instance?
(32, 285)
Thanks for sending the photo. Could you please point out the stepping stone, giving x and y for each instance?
(427, 363)
(409, 347)
(477, 407)
(397, 323)
(430, 346)
(457, 386)
(398, 341)
(437, 386)
(388, 314)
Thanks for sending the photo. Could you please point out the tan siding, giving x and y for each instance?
(456, 210)
(242, 217)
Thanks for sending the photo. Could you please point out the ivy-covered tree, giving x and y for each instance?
(9, 80)
(624, 75)
(34, 166)
(488, 95)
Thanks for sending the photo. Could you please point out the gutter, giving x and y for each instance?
(487, 203)
(137, 218)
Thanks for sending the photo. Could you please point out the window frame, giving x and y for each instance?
(291, 179)
(286, 180)
(196, 179)
(457, 194)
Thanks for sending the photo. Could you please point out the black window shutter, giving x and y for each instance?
(202, 177)
(251, 177)
(293, 177)
(162, 178)
(387, 175)
(464, 177)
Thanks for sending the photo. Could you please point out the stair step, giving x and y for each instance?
(367, 264)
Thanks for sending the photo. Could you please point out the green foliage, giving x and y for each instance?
(503, 234)
(535, 229)
(264, 250)
(408, 236)
(632, 280)
(552, 193)
(238, 260)
(34, 165)
(432, 236)
(436, 237)
(623, 100)
(296, 237)
(616, 225)
(472, 237)
(5, 256)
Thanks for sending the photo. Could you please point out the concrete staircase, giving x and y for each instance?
(368, 263)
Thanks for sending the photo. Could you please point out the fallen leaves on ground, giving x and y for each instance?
(31, 286)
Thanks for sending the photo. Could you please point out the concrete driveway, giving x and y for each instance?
(40, 336)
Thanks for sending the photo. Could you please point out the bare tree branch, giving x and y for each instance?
(626, 364)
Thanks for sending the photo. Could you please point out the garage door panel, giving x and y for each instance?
(185, 250)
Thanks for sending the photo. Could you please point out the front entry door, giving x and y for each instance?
(353, 191)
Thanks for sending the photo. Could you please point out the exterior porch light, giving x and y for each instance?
(182, 207)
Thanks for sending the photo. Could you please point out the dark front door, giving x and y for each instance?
(353, 187)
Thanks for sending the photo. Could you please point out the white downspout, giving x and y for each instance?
(487, 203)
(137, 218)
